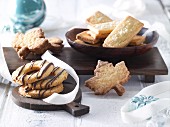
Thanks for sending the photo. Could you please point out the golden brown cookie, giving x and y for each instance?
(84, 43)
(17, 43)
(102, 30)
(23, 52)
(123, 33)
(40, 94)
(56, 45)
(137, 40)
(38, 45)
(55, 40)
(39, 79)
(40, 69)
(34, 33)
(84, 36)
(98, 17)
(107, 77)
(34, 41)
(56, 78)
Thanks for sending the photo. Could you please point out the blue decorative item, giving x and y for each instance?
(142, 100)
(26, 14)
(160, 119)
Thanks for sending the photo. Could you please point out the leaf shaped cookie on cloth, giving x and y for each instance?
(107, 77)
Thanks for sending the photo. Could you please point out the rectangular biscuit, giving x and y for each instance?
(123, 33)
(102, 30)
(84, 36)
(84, 43)
(137, 40)
(98, 17)
(94, 35)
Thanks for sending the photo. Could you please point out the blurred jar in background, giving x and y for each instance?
(26, 14)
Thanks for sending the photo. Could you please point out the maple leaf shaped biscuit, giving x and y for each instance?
(107, 77)
(34, 41)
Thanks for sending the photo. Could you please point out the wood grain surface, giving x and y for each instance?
(74, 108)
(150, 63)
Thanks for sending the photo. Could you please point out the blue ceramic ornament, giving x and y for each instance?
(26, 14)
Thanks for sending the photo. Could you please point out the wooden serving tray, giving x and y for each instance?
(74, 108)
(148, 64)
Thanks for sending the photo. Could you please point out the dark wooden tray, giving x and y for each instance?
(74, 108)
(148, 64)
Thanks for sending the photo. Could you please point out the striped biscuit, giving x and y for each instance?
(123, 33)
(40, 94)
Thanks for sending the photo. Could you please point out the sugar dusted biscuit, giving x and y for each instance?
(98, 17)
(137, 40)
(107, 77)
(102, 30)
(84, 36)
(123, 33)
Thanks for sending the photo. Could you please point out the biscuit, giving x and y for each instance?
(107, 77)
(95, 36)
(40, 69)
(123, 33)
(102, 30)
(35, 41)
(40, 94)
(56, 45)
(56, 78)
(38, 45)
(23, 52)
(39, 79)
(55, 40)
(137, 40)
(84, 36)
(17, 43)
(98, 17)
(84, 43)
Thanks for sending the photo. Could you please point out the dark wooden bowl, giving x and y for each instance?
(103, 52)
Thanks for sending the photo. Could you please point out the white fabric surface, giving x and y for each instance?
(104, 110)
(160, 90)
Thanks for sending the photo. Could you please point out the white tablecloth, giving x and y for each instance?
(104, 110)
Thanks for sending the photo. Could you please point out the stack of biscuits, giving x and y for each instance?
(39, 79)
(103, 31)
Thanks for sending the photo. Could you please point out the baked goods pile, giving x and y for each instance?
(103, 31)
(107, 77)
(34, 41)
(39, 79)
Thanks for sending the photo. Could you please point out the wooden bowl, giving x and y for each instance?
(103, 52)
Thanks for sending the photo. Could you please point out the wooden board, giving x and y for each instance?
(74, 108)
(148, 64)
